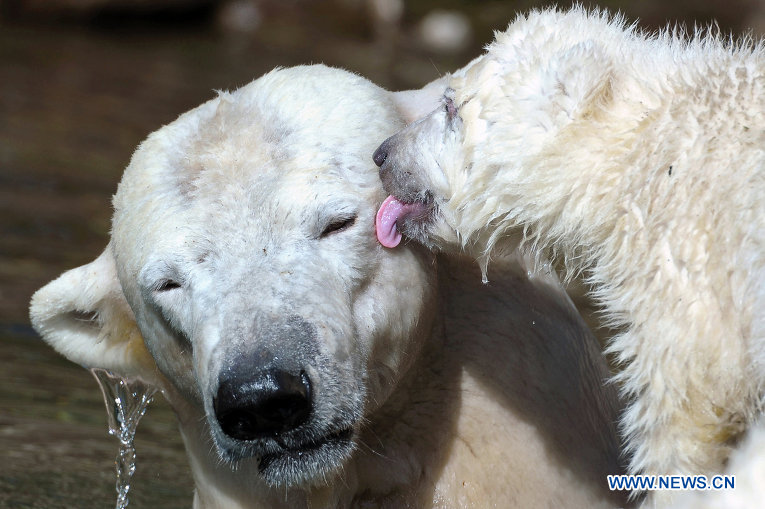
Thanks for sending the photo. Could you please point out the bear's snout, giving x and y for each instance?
(252, 404)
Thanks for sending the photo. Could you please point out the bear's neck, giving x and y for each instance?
(561, 201)
(577, 189)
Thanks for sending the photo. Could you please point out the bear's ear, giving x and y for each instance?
(575, 78)
(413, 105)
(84, 316)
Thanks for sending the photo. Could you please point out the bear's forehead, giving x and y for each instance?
(225, 167)
(229, 146)
(257, 153)
(236, 145)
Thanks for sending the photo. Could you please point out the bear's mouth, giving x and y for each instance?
(392, 214)
(308, 461)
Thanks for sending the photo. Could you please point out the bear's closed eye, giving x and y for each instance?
(166, 285)
(338, 225)
(450, 108)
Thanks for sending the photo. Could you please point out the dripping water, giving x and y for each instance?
(126, 401)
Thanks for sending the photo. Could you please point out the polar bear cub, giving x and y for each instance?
(636, 162)
(308, 366)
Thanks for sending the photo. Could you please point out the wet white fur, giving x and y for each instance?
(637, 162)
(747, 464)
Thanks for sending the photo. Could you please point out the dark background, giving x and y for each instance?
(82, 82)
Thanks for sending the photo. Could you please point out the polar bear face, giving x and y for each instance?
(413, 169)
(243, 254)
(491, 147)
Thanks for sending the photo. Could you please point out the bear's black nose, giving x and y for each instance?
(381, 154)
(266, 404)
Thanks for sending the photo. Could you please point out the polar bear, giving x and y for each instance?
(636, 162)
(309, 366)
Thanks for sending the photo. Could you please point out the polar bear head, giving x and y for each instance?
(490, 146)
(244, 279)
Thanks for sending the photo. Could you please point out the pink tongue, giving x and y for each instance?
(391, 211)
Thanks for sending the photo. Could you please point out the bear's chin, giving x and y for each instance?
(292, 463)
(310, 464)
(433, 232)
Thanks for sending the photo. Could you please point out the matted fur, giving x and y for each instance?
(637, 162)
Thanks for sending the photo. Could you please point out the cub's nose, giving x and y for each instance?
(381, 154)
(269, 403)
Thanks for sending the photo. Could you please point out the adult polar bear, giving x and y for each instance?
(309, 366)
(636, 161)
